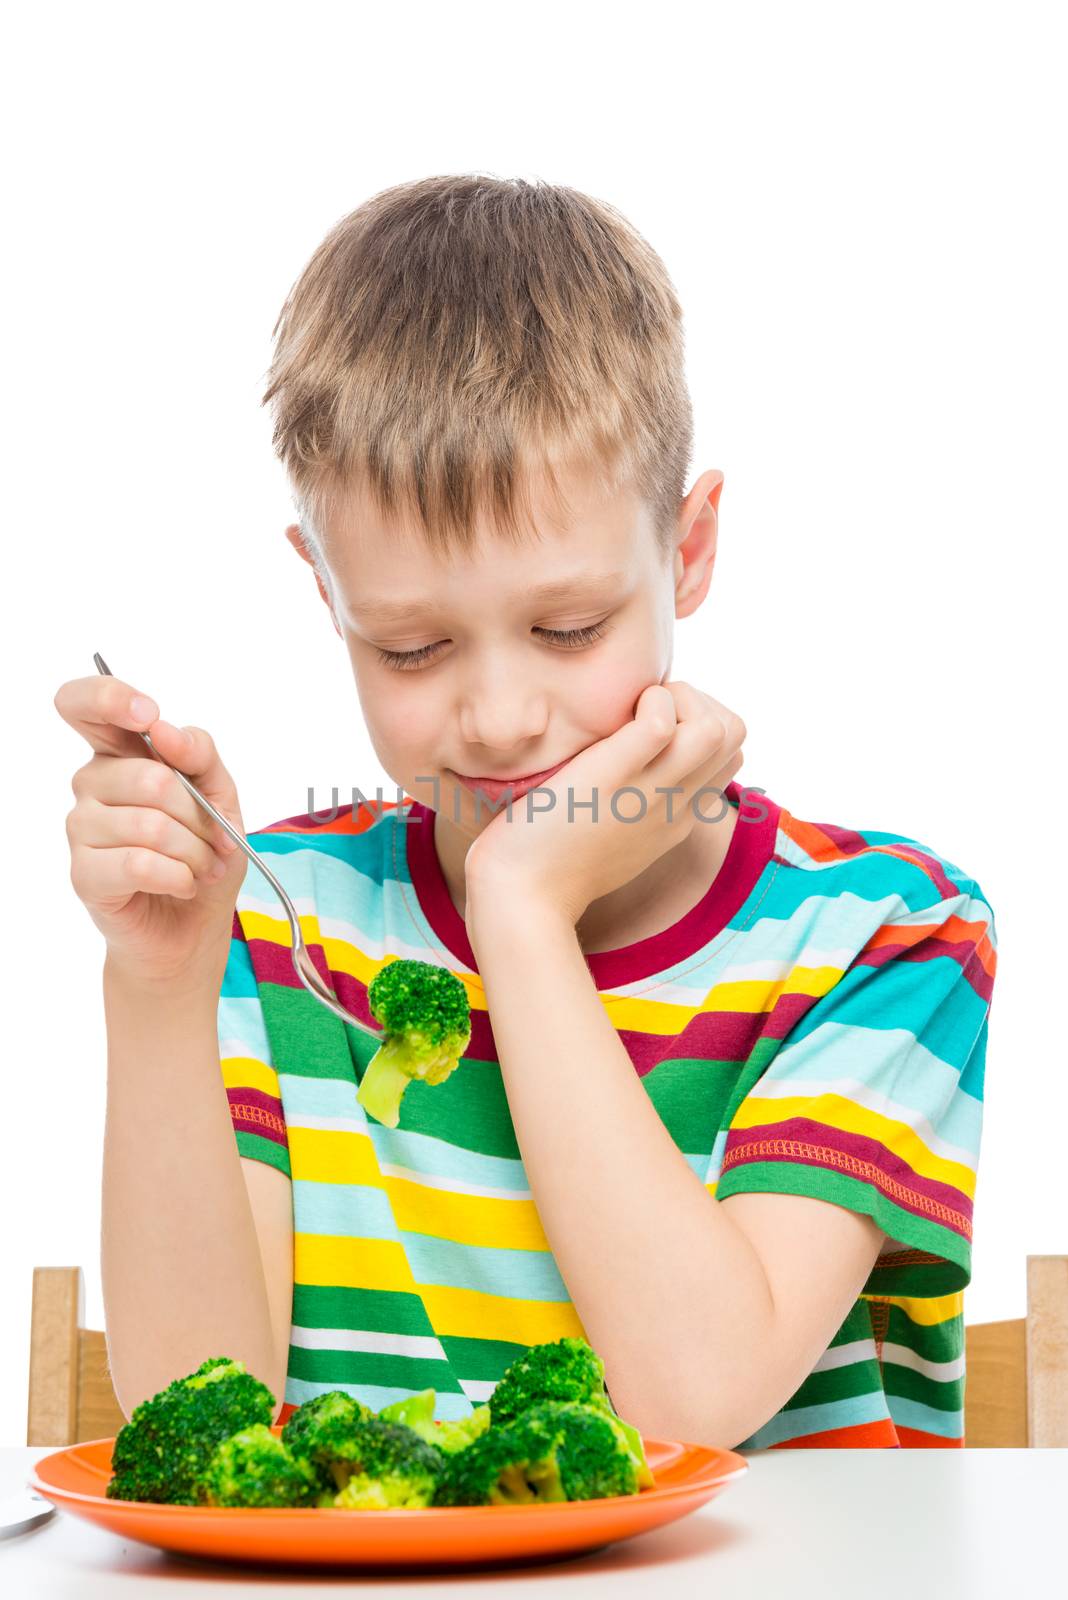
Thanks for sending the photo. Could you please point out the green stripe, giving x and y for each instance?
(690, 1096)
(481, 1360)
(374, 1310)
(946, 1276)
(366, 1367)
(258, 1148)
(938, 1341)
(941, 1396)
(838, 1383)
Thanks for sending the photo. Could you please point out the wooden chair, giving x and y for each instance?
(1016, 1388)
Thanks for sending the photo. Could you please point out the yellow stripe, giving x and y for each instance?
(333, 1261)
(747, 997)
(927, 1311)
(340, 955)
(838, 1112)
(245, 1072)
(325, 1261)
(333, 1156)
(469, 1314)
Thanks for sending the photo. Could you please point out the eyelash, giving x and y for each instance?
(571, 638)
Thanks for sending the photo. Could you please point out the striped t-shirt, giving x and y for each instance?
(815, 1025)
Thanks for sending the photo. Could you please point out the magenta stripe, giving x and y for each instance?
(751, 846)
(965, 952)
(940, 1202)
(845, 840)
(252, 1111)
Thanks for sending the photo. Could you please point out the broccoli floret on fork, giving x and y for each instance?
(426, 1018)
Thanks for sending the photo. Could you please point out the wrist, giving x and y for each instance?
(127, 979)
(509, 908)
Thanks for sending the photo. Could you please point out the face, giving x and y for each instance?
(464, 666)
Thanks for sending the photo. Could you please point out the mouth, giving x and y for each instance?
(495, 788)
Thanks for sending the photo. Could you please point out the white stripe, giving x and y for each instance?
(940, 1371)
(338, 928)
(453, 1185)
(844, 1355)
(476, 1391)
(367, 1343)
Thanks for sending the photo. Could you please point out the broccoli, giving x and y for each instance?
(327, 1411)
(417, 1413)
(254, 1468)
(558, 1450)
(426, 1018)
(368, 1463)
(164, 1449)
(567, 1369)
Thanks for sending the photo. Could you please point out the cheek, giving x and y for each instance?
(613, 686)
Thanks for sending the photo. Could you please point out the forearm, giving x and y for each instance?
(671, 1295)
(182, 1274)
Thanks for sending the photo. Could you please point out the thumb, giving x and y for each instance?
(639, 741)
(655, 719)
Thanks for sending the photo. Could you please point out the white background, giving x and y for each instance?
(862, 209)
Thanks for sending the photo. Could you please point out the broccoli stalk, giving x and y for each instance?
(426, 1019)
(417, 1413)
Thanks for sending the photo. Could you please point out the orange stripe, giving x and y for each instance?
(917, 1439)
(861, 1436)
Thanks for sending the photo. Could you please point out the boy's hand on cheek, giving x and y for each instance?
(570, 854)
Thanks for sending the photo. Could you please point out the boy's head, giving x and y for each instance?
(477, 390)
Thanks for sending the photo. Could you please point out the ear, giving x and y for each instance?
(296, 539)
(695, 550)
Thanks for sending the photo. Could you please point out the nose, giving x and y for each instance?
(503, 713)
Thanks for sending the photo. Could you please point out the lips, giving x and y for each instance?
(495, 788)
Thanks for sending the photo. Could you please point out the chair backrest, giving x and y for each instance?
(71, 1396)
(1016, 1373)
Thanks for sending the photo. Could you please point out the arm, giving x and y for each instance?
(183, 1277)
(675, 1296)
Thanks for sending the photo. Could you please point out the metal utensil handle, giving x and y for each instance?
(234, 833)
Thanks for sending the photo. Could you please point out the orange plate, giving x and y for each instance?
(687, 1475)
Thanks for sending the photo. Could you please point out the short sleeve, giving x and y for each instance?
(875, 1099)
(251, 1081)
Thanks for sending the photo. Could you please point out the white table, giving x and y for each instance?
(802, 1523)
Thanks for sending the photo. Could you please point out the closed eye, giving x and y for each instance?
(565, 638)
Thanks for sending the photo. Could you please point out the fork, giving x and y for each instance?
(303, 965)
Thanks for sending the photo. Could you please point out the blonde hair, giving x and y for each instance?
(455, 334)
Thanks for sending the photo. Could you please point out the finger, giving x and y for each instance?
(130, 781)
(192, 751)
(98, 826)
(103, 875)
(707, 732)
(107, 712)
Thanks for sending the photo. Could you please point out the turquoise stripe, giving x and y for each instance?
(803, 1420)
(358, 1211)
(516, 1274)
(309, 1098)
(243, 1020)
(890, 1061)
(239, 980)
(928, 1419)
(448, 1407)
(887, 885)
(362, 893)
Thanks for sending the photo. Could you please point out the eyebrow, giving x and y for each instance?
(559, 589)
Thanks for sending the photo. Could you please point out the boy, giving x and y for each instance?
(721, 1109)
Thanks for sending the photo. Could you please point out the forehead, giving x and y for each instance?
(387, 565)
